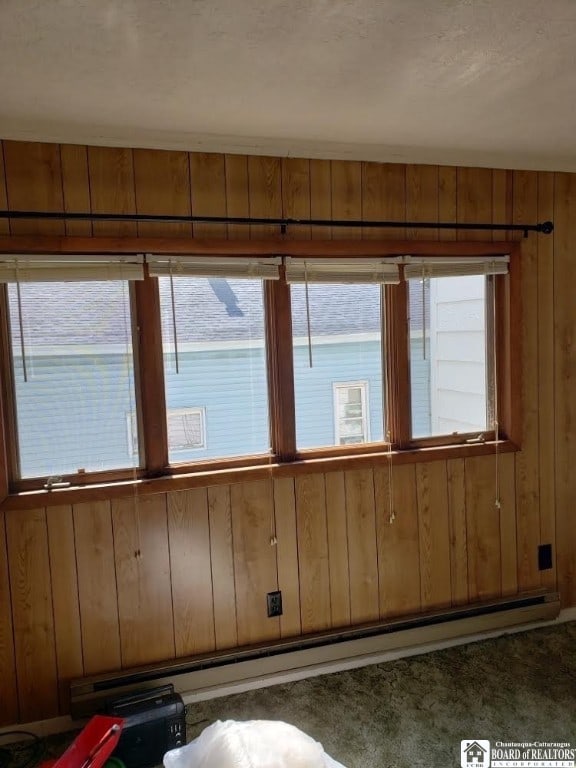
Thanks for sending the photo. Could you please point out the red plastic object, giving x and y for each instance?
(93, 745)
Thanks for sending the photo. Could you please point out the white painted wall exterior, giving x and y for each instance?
(457, 355)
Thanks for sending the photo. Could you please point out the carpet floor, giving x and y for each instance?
(414, 712)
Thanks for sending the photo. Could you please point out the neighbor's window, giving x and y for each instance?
(214, 353)
(186, 429)
(73, 376)
(449, 355)
(351, 423)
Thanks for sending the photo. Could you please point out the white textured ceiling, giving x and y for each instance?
(487, 82)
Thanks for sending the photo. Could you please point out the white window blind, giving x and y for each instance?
(42, 268)
(437, 266)
(217, 266)
(360, 270)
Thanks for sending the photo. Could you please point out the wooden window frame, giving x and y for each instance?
(284, 458)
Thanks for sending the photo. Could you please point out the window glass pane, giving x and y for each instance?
(345, 324)
(72, 412)
(447, 321)
(218, 400)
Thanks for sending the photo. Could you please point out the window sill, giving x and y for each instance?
(204, 478)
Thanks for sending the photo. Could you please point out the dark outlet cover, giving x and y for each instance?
(544, 557)
(274, 603)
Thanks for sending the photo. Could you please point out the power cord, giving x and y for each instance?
(24, 753)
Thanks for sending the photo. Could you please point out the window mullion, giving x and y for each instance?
(150, 376)
(9, 469)
(280, 368)
(398, 406)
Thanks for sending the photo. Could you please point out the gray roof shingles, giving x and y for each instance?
(213, 309)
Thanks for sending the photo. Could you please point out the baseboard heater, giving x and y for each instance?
(205, 674)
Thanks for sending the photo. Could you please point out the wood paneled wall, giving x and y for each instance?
(107, 585)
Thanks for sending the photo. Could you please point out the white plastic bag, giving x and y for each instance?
(251, 744)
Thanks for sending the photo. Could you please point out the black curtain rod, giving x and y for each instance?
(545, 227)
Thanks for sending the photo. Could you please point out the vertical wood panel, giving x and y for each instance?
(447, 200)
(34, 183)
(398, 541)
(527, 469)
(546, 367)
(287, 555)
(422, 199)
(162, 186)
(237, 203)
(33, 618)
(222, 559)
(346, 183)
(190, 571)
(434, 534)
(362, 550)
(112, 188)
(208, 180)
(143, 576)
(4, 223)
(321, 196)
(383, 198)
(313, 553)
(565, 382)
(9, 697)
(474, 187)
(458, 531)
(265, 193)
(296, 195)
(97, 587)
(337, 529)
(508, 538)
(76, 188)
(483, 527)
(68, 634)
(502, 184)
(255, 565)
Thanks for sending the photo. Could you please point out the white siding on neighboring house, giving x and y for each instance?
(457, 354)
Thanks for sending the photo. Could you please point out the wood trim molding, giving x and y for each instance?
(204, 479)
(270, 247)
(280, 369)
(148, 358)
(397, 364)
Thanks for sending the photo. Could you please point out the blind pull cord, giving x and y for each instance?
(21, 323)
(308, 325)
(497, 501)
(423, 313)
(391, 512)
(174, 328)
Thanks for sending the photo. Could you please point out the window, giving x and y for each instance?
(345, 342)
(186, 429)
(113, 369)
(449, 355)
(452, 345)
(72, 376)
(337, 335)
(351, 413)
(213, 339)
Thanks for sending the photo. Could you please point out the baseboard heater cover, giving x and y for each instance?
(243, 665)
